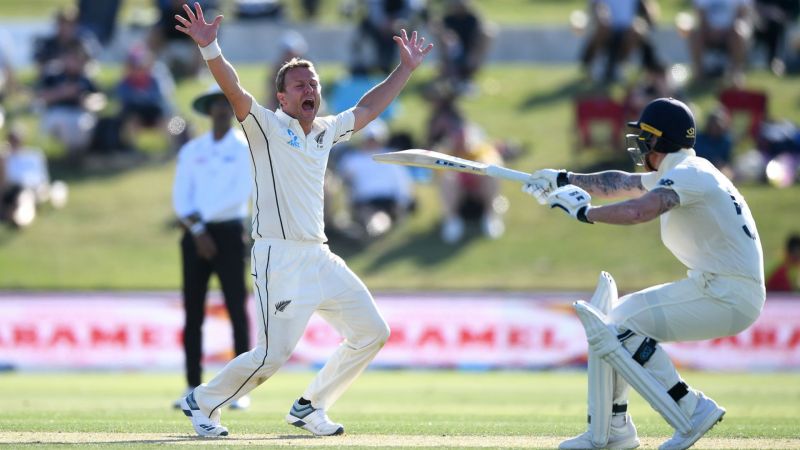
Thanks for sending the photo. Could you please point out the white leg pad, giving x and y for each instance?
(605, 344)
(600, 374)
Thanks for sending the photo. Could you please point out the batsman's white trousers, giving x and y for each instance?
(702, 306)
(293, 280)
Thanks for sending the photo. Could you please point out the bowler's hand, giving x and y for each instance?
(205, 246)
(572, 199)
(412, 51)
(196, 27)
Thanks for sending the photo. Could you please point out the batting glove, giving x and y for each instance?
(572, 199)
(543, 182)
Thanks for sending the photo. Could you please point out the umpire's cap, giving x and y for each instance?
(670, 121)
(203, 102)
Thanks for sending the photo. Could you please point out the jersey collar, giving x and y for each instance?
(290, 122)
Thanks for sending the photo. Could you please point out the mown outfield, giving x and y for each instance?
(383, 409)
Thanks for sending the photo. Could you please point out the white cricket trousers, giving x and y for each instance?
(292, 280)
(702, 306)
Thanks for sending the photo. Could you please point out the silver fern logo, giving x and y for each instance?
(281, 305)
(320, 139)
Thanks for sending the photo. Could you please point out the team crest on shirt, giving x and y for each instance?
(320, 139)
(294, 141)
(665, 182)
(281, 305)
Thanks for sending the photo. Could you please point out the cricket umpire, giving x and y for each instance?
(210, 196)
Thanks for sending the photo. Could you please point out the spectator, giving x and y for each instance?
(654, 83)
(173, 48)
(293, 45)
(48, 51)
(310, 9)
(466, 196)
(99, 18)
(786, 277)
(379, 195)
(773, 17)
(445, 113)
(721, 25)
(382, 20)
(210, 195)
(25, 182)
(348, 90)
(70, 106)
(715, 142)
(465, 38)
(7, 77)
(619, 27)
(143, 99)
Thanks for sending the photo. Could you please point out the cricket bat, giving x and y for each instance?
(440, 161)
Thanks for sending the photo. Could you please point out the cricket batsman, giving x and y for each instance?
(707, 225)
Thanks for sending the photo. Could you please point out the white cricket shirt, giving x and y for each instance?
(289, 171)
(213, 178)
(712, 230)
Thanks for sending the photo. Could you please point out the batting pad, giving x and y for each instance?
(605, 344)
(600, 374)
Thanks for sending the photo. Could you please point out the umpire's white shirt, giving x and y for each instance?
(289, 171)
(212, 178)
(712, 230)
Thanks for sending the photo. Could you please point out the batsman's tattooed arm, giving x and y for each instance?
(610, 183)
(667, 199)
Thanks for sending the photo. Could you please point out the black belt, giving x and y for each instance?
(225, 223)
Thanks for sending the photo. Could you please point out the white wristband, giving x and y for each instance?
(211, 50)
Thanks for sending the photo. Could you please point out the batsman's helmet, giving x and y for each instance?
(668, 120)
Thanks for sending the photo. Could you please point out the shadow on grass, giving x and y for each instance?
(422, 249)
(568, 90)
(96, 167)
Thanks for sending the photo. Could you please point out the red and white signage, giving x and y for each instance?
(492, 330)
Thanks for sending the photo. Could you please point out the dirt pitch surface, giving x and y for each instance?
(376, 440)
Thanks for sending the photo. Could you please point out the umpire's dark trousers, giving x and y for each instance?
(229, 265)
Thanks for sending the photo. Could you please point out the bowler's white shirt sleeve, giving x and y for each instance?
(345, 122)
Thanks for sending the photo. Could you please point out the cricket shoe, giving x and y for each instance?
(706, 414)
(202, 424)
(177, 403)
(619, 438)
(314, 420)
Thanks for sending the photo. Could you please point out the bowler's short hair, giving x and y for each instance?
(280, 78)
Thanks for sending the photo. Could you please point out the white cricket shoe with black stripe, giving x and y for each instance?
(314, 420)
(619, 438)
(706, 414)
(202, 424)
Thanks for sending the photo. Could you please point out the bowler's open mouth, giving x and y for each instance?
(308, 105)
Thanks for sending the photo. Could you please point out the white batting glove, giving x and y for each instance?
(543, 182)
(538, 189)
(572, 199)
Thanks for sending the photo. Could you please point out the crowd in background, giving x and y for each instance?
(721, 38)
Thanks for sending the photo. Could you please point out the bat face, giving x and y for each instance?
(431, 160)
(455, 164)
(440, 161)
